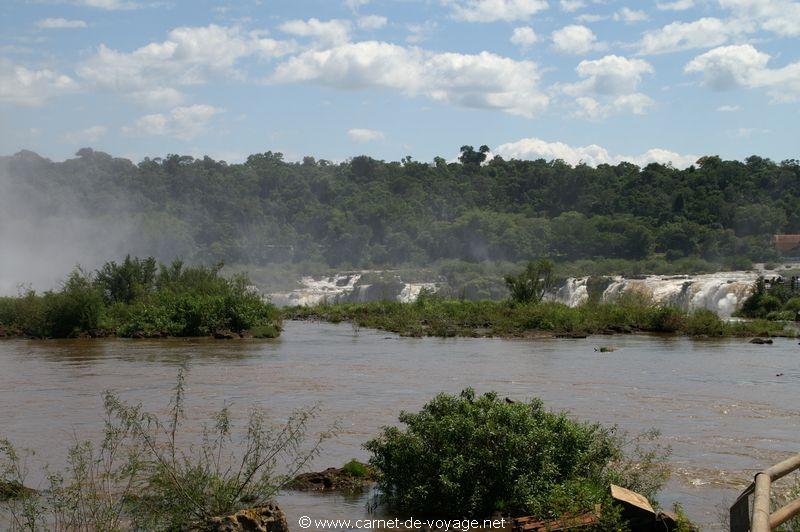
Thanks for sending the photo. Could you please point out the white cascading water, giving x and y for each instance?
(411, 291)
(340, 286)
(314, 291)
(722, 292)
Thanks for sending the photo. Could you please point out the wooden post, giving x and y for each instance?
(761, 502)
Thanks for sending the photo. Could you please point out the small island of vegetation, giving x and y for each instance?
(528, 313)
(140, 298)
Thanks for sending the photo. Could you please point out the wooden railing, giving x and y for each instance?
(762, 519)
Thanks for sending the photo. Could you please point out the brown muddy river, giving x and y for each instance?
(719, 403)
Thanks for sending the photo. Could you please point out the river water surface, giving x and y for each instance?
(720, 404)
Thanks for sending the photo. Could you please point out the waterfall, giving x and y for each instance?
(348, 287)
(722, 292)
(314, 291)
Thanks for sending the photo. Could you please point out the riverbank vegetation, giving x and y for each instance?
(368, 213)
(776, 300)
(431, 315)
(475, 456)
(150, 473)
(141, 298)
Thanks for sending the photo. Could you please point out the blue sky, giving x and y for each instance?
(582, 80)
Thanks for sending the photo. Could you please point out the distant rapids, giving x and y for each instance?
(722, 292)
(349, 287)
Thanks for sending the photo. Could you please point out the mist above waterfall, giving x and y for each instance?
(47, 229)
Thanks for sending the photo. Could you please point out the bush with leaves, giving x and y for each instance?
(133, 299)
(531, 285)
(470, 456)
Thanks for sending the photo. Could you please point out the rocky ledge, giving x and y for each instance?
(267, 518)
(354, 476)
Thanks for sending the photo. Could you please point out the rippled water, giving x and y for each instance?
(718, 403)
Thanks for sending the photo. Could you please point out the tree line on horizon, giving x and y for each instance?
(372, 213)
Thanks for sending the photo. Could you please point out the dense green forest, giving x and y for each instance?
(370, 213)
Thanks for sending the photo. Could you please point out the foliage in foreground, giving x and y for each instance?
(140, 477)
(470, 456)
(431, 315)
(785, 497)
(139, 297)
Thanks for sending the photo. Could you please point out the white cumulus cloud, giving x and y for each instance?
(571, 6)
(182, 122)
(483, 81)
(59, 23)
(593, 155)
(611, 74)
(365, 135)
(677, 5)
(110, 5)
(744, 17)
(326, 33)
(189, 56)
(781, 17)
(630, 16)
(706, 32)
(575, 39)
(593, 109)
(729, 67)
(524, 36)
(20, 85)
(88, 135)
(372, 22)
(494, 10)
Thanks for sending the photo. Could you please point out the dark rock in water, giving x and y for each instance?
(267, 518)
(619, 329)
(761, 341)
(225, 335)
(333, 479)
(14, 490)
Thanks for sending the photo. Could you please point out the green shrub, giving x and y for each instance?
(76, 308)
(132, 300)
(793, 305)
(530, 285)
(467, 456)
(356, 469)
(666, 319)
(785, 315)
(703, 322)
(265, 331)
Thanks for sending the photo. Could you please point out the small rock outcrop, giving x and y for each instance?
(267, 518)
(761, 341)
(334, 479)
(11, 489)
